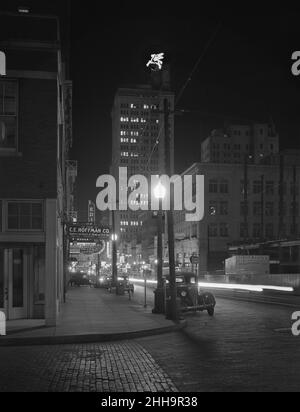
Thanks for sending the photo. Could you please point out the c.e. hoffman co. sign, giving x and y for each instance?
(93, 232)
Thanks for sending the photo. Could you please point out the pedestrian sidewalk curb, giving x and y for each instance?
(89, 338)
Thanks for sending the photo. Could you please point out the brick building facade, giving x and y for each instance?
(35, 136)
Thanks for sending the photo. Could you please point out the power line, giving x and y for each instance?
(189, 79)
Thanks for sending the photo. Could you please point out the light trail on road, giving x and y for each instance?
(230, 286)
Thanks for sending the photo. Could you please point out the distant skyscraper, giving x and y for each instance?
(258, 141)
(138, 142)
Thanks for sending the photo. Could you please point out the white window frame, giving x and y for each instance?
(12, 150)
(5, 203)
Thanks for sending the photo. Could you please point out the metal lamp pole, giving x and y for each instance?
(159, 301)
(173, 315)
(114, 252)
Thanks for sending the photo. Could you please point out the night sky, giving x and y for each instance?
(244, 75)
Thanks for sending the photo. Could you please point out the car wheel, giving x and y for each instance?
(211, 311)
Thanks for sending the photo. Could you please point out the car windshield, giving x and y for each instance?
(184, 279)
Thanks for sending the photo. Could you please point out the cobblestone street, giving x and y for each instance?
(245, 347)
(116, 367)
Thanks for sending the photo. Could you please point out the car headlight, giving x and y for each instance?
(183, 293)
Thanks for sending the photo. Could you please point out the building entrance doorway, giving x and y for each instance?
(13, 283)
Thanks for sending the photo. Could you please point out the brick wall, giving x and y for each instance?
(33, 174)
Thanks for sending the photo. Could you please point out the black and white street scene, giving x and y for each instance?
(149, 200)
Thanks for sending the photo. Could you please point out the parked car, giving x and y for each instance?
(190, 298)
(103, 281)
(80, 279)
(124, 285)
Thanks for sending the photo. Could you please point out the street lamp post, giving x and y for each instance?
(173, 313)
(114, 239)
(159, 303)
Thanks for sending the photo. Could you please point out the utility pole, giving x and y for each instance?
(245, 188)
(281, 217)
(159, 249)
(281, 194)
(262, 201)
(114, 251)
(172, 275)
(98, 265)
(294, 201)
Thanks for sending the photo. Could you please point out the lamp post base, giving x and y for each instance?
(159, 301)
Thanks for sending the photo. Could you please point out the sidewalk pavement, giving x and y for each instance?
(90, 315)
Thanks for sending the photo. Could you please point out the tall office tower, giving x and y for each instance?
(138, 143)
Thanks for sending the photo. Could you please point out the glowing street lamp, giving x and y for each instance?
(114, 237)
(160, 191)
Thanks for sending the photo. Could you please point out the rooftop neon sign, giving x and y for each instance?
(156, 61)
